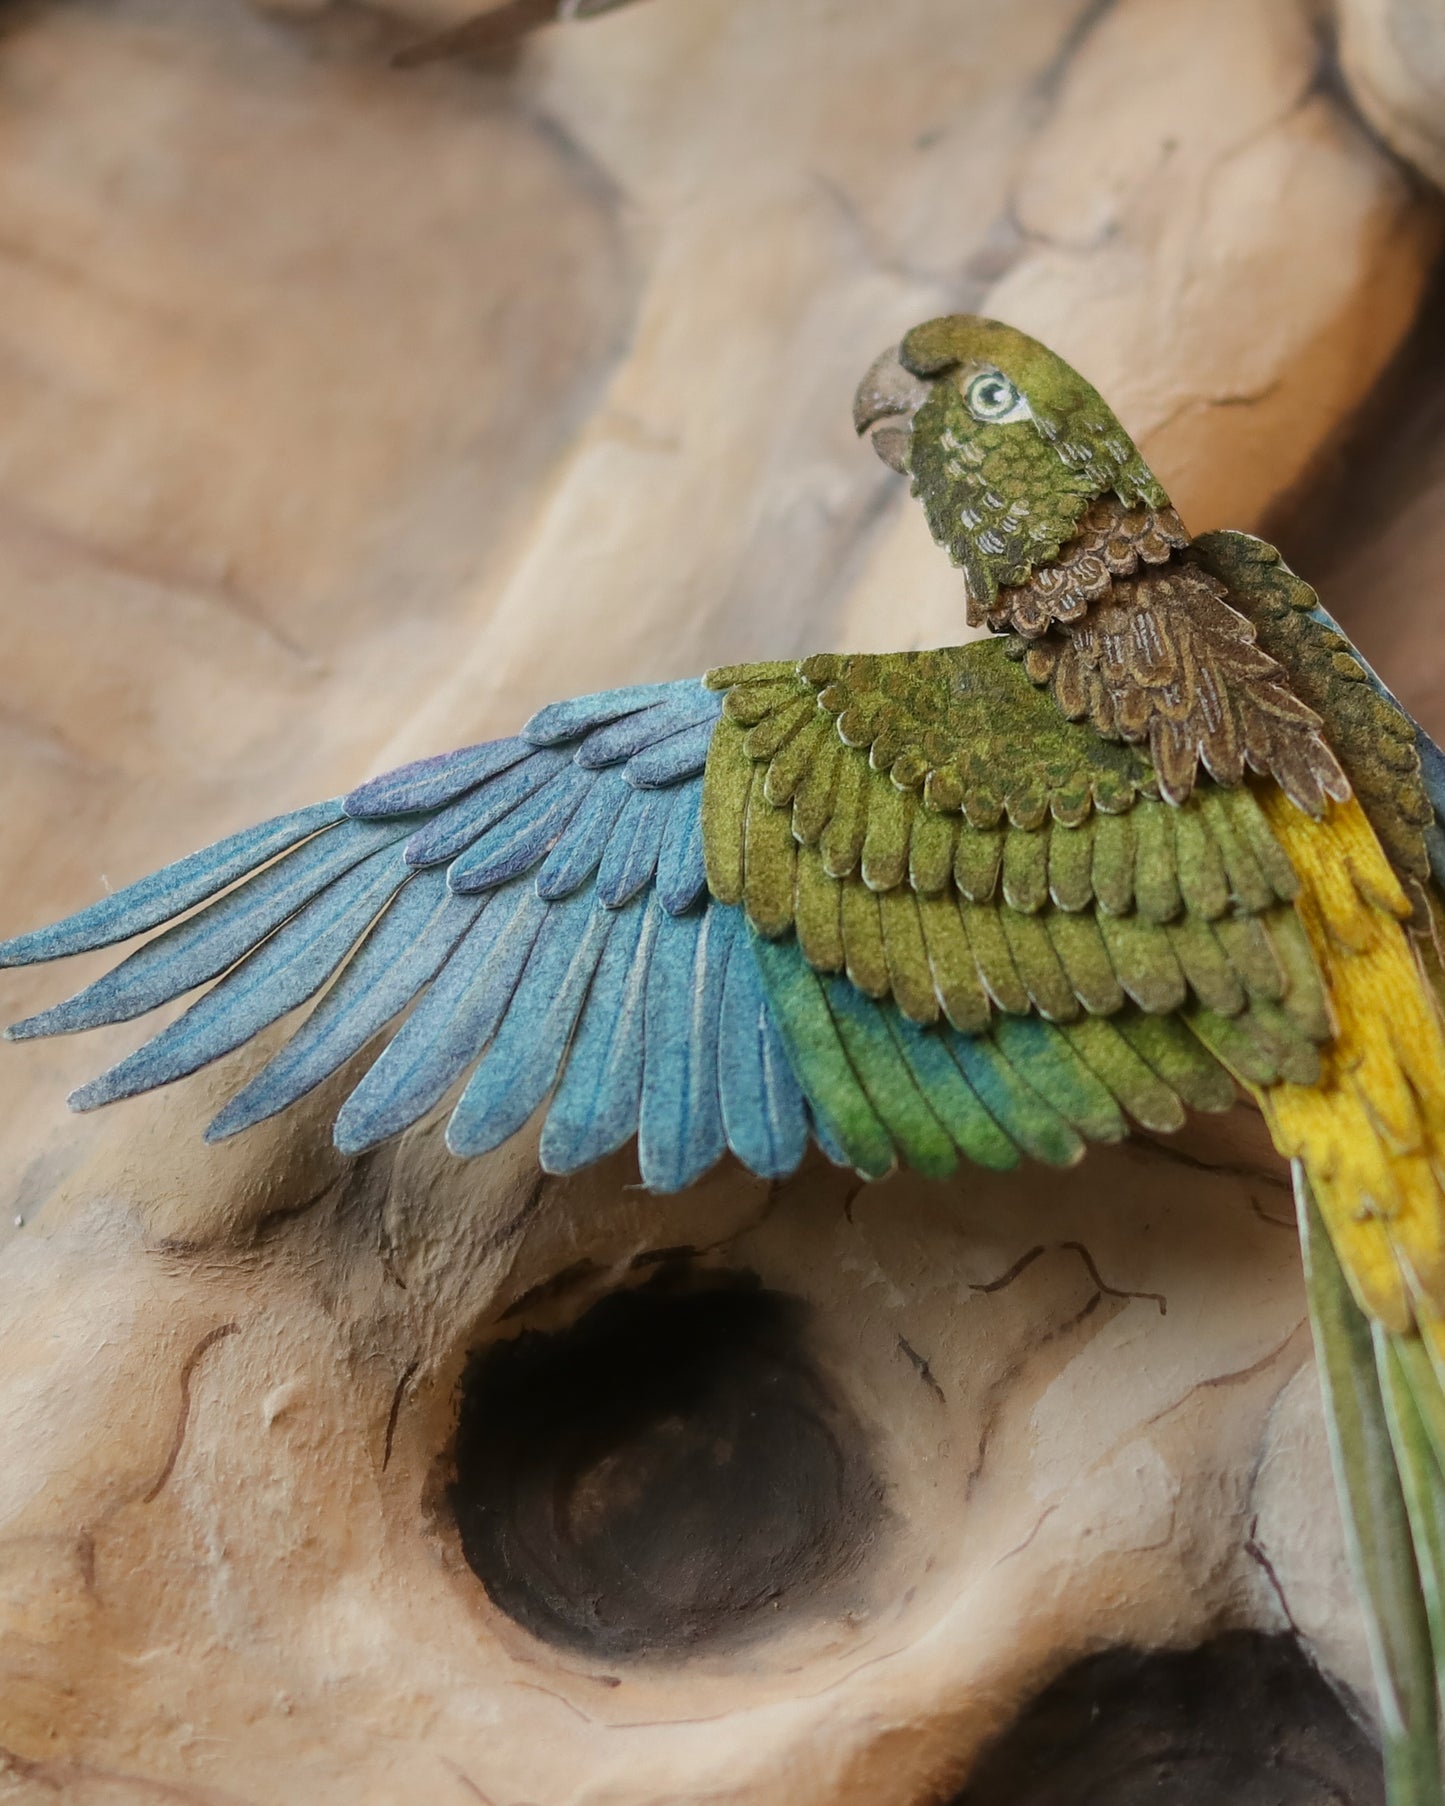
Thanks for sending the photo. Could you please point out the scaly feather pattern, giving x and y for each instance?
(1157, 652)
(871, 805)
(1168, 834)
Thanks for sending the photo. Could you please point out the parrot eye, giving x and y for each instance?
(991, 396)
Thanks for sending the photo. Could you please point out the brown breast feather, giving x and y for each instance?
(1147, 648)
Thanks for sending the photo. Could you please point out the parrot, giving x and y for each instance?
(1155, 837)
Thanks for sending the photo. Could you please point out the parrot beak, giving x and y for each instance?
(889, 392)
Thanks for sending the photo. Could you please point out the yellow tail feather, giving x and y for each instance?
(1371, 1134)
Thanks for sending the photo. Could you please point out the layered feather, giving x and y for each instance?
(1043, 881)
(885, 1091)
(534, 908)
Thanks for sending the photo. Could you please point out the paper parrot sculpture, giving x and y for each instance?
(1163, 834)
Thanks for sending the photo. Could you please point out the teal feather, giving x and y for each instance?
(595, 1109)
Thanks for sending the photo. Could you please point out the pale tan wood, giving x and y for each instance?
(1392, 53)
(350, 414)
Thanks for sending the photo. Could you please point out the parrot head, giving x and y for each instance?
(1006, 444)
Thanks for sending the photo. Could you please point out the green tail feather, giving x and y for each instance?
(1385, 1411)
(1411, 1395)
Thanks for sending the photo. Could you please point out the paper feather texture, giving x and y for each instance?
(1162, 837)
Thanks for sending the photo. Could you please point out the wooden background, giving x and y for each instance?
(351, 409)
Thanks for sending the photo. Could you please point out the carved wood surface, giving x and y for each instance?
(351, 412)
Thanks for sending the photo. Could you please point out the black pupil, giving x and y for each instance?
(993, 393)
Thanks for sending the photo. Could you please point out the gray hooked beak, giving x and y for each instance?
(889, 392)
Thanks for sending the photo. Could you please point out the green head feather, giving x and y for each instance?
(1008, 447)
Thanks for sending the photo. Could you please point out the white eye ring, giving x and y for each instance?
(991, 396)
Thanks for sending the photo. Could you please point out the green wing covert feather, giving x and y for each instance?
(905, 817)
(961, 725)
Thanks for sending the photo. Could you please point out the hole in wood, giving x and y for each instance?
(671, 1471)
(1244, 1718)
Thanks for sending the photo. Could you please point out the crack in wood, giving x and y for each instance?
(1235, 1377)
(1026, 1260)
(1255, 1551)
(1007, 1278)
(1149, 1146)
(178, 1435)
(923, 1370)
(394, 1413)
(1019, 1548)
(1114, 1291)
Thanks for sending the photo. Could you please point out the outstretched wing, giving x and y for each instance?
(537, 903)
(945, 875)
(932, 828)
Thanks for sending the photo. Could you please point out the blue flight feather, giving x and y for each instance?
(396, 960)
(680, 1131)
(450, 1025)
(1434, 837)
(524, 837)
(273, 980)
(826, 1137)
(1432, 768)
(457, 826)
(950, 1096)
(570, 720)
(686, 706)
(521, 1066)
(595, 1109)
(169, 892)
(1044, 1060)
(681, 755)
(764, 1116)
(428, 784)
(631, 856)
(205, 944)
(1432, 771)
(581, 844)
(1024, 1116)
(887, 1079)
(848, 1126)
(681, 876)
